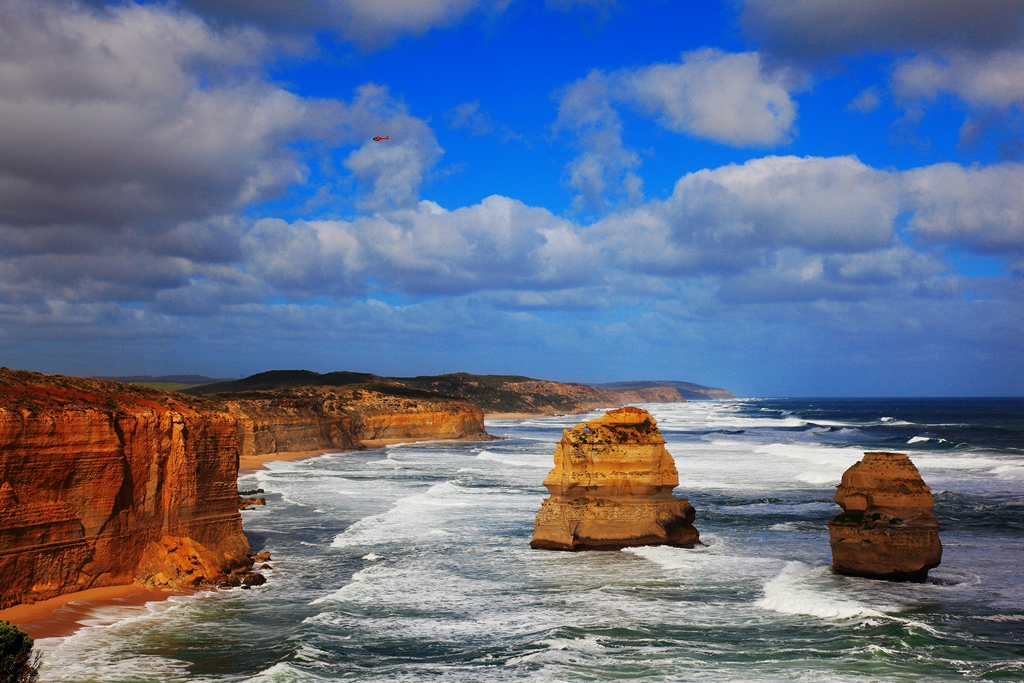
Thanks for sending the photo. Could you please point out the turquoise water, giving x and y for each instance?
(413, 563)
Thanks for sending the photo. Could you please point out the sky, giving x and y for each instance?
(777, 197)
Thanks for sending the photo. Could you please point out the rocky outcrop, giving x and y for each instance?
(177, 562)
(887, 529)
(99, 478)
(611, 487)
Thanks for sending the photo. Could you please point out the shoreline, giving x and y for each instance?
(513, 416)
(249, 464)
(64, 615)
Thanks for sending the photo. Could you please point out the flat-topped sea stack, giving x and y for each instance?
(888, 529)
(612, 488)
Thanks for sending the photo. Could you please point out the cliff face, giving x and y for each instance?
(103, 483)
(95, 475)
(611, 487)
(315, 418)
(888, 529)
(395, 417)
(306, 421)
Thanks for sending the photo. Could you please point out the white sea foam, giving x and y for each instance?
(283, 672)
(93, 652)
(1011, 472)
(1004, 618)
(440, 557)
(517, 459)
(819, 478)
(803, 589)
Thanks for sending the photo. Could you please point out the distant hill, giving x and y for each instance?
(494, 394)
(687, 390)
(166, 382)
(181, 379)
(279, 379)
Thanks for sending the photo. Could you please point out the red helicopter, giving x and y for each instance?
(382, 139)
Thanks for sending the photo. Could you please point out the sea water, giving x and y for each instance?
(413, 563)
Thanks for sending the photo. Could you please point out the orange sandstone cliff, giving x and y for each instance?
(102, 483)
(317, 418)
(611, 487)
(888, 529)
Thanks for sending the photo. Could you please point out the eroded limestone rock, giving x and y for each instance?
(612, 487)
(888, 529)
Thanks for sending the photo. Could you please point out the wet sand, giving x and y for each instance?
(247, 464)
(63, 615)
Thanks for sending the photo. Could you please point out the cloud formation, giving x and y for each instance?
(136, 136)
(810, 30)
(367, 23)
(982, 80)
(709, 94)
(980, 209)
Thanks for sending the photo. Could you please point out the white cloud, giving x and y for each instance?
(980, 208)
(866, 101)
(368, 23)
(133, 138)
(713, 95)
(105, 122)
(814, 29)
(985, 80)
(496, 244)
(603, 173)
(389, 172)
(709, 94)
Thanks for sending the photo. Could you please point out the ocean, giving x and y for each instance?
(412, 563)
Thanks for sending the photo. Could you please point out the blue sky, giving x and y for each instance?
(787, 197)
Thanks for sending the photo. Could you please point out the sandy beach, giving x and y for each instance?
(247, 464)
(65, 614)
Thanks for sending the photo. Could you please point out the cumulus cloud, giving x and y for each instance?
(814, 29)
(499, 243)
(105, 121)
(368, 23)
(604, 170)
(709, 94)
(866, 101)
(992, 80)
(135, 136)
(389, 173)
(728, 219)
(977, 208)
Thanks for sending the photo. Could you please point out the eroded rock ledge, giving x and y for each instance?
(611, 487)
(887, 529)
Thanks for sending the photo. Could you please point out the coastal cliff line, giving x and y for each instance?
(104, 483)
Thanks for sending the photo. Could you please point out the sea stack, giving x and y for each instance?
(888, 529)
(612, 487)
